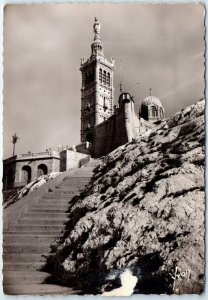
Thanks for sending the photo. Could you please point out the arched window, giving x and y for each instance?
(161, 113)
(104, 77)
(105, 106)
(42, 170)
(100, 75)
(108, 79)
(26, 175)
(144, 112)
(154, 112)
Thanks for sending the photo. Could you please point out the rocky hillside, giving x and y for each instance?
(143, 211)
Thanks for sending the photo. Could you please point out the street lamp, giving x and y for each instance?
(14, 141)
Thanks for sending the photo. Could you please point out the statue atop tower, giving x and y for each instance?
(97, 46)
(96, 28)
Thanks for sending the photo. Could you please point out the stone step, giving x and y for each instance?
(67, 190)
(23, 266)
(58, 196)
(48, 210)
(24, 257)
(55, 205)
(39, 232)
(69, 183)
(86, 174)
(24, 277)
(49, 206)
(74, 183)
(38, 289)
(55, 202)
(25, 248)
(24, 239)
(69, 187)
(76, 179)
(33, 222)
(38, 228)
(61, 194)
(27, 243)
(56, 215)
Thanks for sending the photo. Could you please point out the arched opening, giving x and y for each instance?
(26, 175)
(42, 170)
(144, 112)
(161, 113)
(154, 112)
(108, 79)
(100, 75)
(10, 175)
(104, 77)
(89, 137)
(9, 179)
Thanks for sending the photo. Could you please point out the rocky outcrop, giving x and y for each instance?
(144, 211)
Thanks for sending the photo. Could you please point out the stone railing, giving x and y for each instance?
(31, 155)
(46, 153)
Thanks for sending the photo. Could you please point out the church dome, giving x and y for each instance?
(151, 100)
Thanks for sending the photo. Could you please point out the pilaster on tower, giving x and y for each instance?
(97, 90)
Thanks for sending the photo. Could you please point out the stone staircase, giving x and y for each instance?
(27, 240)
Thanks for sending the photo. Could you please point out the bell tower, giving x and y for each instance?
(97, 87)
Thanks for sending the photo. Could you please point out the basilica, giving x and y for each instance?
(104, 125)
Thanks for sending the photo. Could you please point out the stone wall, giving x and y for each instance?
(71, 159)
(109, 135)
(118, 130)
(52, 164)
(84, 148)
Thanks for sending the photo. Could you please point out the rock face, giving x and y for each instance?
(144, 210)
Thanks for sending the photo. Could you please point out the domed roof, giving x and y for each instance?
(151, 100)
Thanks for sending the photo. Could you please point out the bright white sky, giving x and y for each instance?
(159, 46)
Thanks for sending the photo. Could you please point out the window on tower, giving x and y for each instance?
(108, 79)
(161, 113)
(89, 77)
(100, 75)
(105, 107)
(104, 77)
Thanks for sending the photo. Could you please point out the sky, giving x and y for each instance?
(154, 45)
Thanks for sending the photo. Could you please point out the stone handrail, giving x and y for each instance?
(46, 153)
(27, 155)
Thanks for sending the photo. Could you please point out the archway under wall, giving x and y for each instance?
(89, 137)
(8, 178)
(26, 175)
(42, 170)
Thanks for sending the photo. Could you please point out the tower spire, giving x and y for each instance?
(97, 46)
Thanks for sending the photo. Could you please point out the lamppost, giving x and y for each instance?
(14, 141)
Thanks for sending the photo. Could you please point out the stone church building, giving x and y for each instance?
(104, 126)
